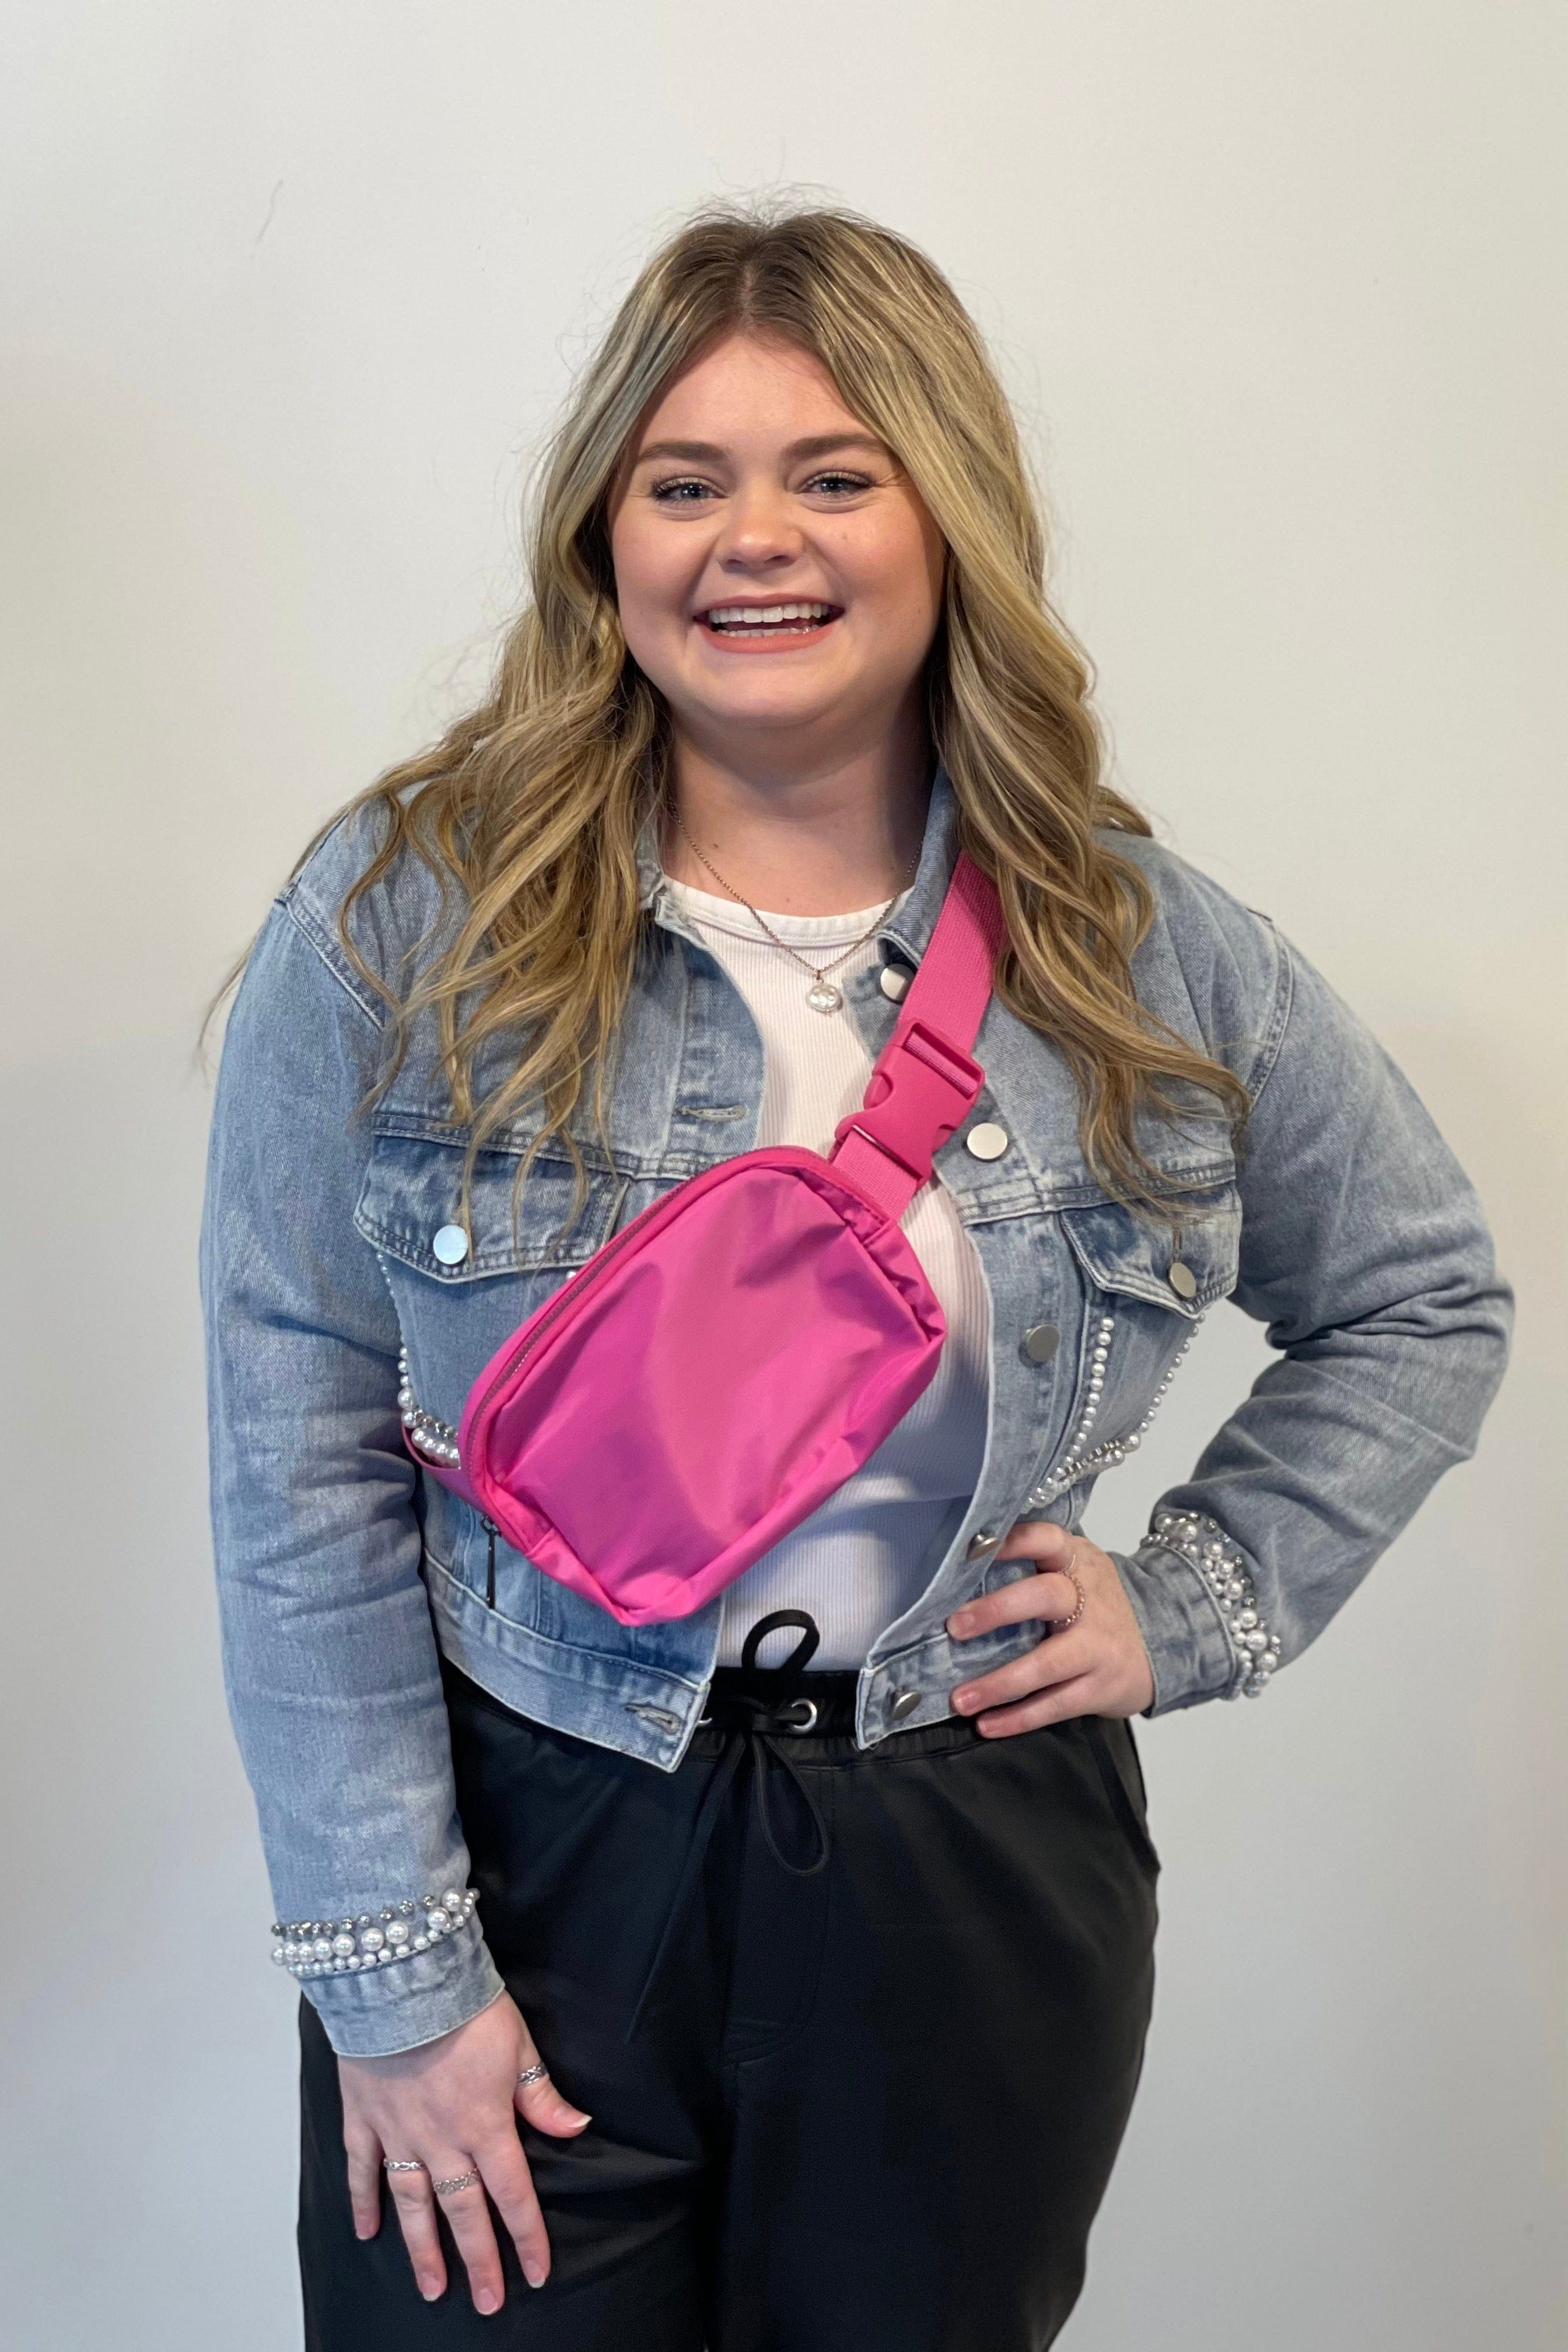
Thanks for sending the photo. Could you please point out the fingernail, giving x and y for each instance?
(532, 2273)
(485, 2301)
(962, 1622)
(964, 1701)
(429, 2289)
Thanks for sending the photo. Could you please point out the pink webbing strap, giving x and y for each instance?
(925, 1081)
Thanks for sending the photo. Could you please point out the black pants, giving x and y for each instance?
(859, 2038)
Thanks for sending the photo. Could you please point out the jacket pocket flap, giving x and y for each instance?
(1184, 1269)
(410, 1207)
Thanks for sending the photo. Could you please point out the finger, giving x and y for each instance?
(417, 2220)
(1076, 1697)
(511, 2187)
(364, 2151)
(538, 2102)
(1053, 1661)
(1051, 1594)
(1045, 1541)
(469, 2219)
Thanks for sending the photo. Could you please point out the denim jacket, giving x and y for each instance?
(342, 1300)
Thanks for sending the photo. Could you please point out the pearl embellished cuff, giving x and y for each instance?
(1203, 1543)
(335, 1948)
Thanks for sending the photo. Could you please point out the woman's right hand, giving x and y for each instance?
(454, 2104)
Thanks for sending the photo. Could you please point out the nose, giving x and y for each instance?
(758, 533)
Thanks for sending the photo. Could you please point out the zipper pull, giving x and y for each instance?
(490, 1528)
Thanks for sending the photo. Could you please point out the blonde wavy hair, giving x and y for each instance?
(528, 809)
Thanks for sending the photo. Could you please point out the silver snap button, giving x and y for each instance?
(1041, 1342)
(903, 1702)
(896, 978)
(450, 1245)
(987, 1141)
(1182, 1280)
(661, 1717)
(981, 1544)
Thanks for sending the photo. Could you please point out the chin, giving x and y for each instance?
(769, 715)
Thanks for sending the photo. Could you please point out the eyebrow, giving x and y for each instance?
(710, 453)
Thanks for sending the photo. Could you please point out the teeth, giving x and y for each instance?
(763, 616)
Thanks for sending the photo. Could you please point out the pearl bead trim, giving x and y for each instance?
(1077, 1462)
(1203, 1544)
(336, 1948)
(436, 1439)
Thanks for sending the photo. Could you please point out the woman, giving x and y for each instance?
(795, 2001)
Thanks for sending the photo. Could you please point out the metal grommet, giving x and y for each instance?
(810, 1722)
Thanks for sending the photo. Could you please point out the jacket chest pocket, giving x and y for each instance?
(1146, 1290)
(463, 1277)
(1181, 1270)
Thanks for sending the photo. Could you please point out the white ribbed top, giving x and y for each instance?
(871, 1548)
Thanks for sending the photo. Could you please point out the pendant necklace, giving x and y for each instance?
(822, 995)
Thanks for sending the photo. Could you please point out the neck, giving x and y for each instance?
(817, 839)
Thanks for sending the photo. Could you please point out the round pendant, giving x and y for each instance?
(824, 997)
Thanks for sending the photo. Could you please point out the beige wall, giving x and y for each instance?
(289, 290)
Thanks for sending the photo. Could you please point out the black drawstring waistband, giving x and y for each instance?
(754, 1718)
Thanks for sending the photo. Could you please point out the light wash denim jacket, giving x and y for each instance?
(1346, 1226)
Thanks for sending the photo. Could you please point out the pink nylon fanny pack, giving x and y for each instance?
(724, 1362)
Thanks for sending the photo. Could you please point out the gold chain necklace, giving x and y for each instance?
(822, 996)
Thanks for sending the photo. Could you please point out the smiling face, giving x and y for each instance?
(778, 577)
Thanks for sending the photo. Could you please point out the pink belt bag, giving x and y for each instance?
(718, 1368)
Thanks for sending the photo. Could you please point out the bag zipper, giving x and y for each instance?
(576, 1284)
(571, 1288)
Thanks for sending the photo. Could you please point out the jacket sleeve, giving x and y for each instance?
(329, 1659)
(1364, 1251)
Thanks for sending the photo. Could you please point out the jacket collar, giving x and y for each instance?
(909, 927)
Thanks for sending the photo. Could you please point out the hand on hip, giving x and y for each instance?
(1097, 1664)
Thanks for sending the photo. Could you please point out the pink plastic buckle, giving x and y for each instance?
(922, 1085)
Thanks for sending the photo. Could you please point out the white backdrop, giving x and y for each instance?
(288, 293)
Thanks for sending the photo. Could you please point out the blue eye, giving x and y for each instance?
(685, 490)
(674, 493)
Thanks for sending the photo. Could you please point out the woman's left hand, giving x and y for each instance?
(1097, 1666)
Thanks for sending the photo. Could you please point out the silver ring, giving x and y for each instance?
(400, 2164)
(534, 2074)
(456, 2180)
